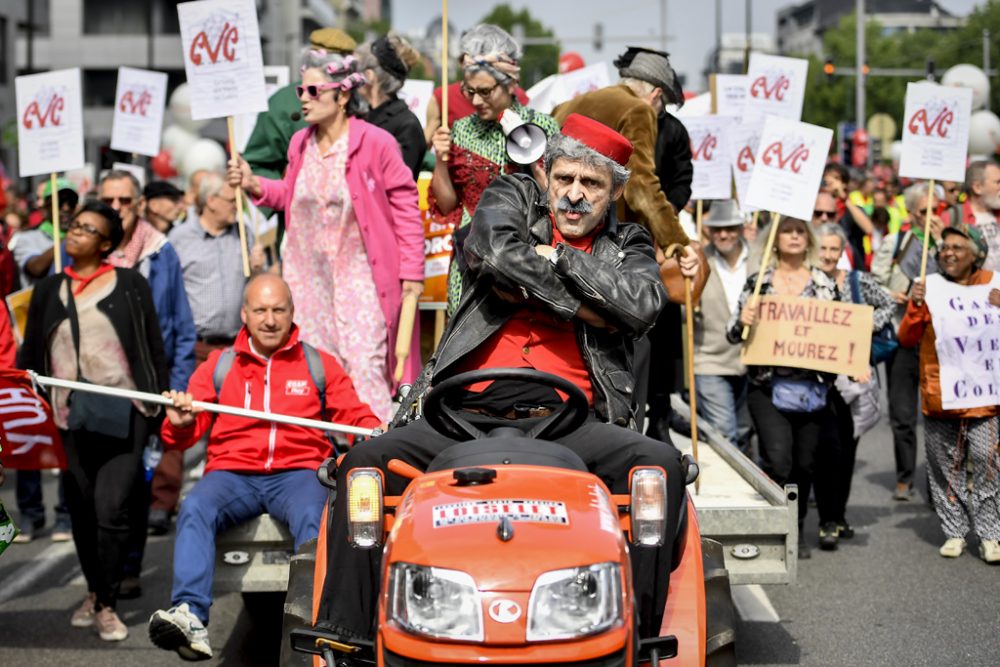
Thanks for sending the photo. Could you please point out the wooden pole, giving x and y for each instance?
(698, 217)
(692, 393)
(407, 314)
(927, 231)
(765, 258)
(444, 69)
(439, 322)
(56, 231)
(239, 201)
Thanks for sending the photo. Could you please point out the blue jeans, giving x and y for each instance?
(224, 499)
(722, 402)
(30, 504)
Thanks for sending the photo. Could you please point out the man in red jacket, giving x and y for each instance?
(252, 466)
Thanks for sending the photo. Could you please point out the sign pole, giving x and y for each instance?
(444, 68)
(56, 231)
(404, 336)
(698, 219)
(764, 260)
(927, 231)
(239, 201)
(692, 393)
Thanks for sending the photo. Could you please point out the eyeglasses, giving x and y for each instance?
(957, 249)
(484, 93)
(124, 201)
(821, 215)
(314, 91)
(89, 230)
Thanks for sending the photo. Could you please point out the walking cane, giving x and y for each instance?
(677, 250)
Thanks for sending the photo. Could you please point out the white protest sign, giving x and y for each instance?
(790, 160)
(776, 86)
(417, 93)
(967, 340)
(555, 89)
(746, 137)
(711, 146)
(935, 131)
(731, 94)
(222, 57)
(49, 122)
(134, 169)
(275, 78)
(991, 234)
(140, 98)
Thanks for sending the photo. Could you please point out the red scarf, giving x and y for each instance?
(584, 243)
(84, 281)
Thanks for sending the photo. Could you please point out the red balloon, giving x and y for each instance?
(163, 164)
(570, 61)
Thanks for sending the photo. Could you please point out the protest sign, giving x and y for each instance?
(729, 92)
(826, 336)
(967, 341)
(17, 306)
(50, 122)
(275, 78)
(710, 150)
(789, 165)
(437, 250)
(222, 57)
(417, 94)
(991, 234)
(935, 132)
(746, 137)
(134, 169)
(29, 436)
(776, 86)
(555, 89)
(140, 98)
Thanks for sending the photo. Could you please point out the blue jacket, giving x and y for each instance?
(162, 270)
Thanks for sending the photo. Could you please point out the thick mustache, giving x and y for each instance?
(582, 206)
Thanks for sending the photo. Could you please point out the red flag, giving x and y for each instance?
(28, 435)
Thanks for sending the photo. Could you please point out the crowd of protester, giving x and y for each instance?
(154, 286)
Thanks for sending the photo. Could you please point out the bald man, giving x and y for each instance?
(253, 466)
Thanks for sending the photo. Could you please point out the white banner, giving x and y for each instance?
(711, 145)
(140, 98)
(49, 122)
(731, 94)
(935, 131)
(417, 94)
(776, 86)
(967, 340)
(790, 160)
(746, 137)
(275, 78)
(555, 89)
(222, 57)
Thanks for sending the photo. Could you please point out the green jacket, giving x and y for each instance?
(267, 149)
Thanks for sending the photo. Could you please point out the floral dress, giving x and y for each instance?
(326, 265)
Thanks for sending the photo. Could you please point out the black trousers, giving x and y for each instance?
(351, 588)
(665, 357)
(835, 469)
(904, 403)
(101, 476)
(792, 444)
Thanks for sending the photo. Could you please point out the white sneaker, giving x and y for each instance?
(989, 551)
(83, 617)
(953, 547)
(177, 629)
(109, 626)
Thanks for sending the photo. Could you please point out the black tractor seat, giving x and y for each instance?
(507, 449)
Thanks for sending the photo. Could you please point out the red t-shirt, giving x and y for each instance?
(459, 105)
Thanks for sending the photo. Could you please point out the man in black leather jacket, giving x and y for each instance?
(556, 283)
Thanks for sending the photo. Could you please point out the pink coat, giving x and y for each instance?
(384, 197)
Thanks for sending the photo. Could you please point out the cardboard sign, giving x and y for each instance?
(711, 147)
(935, 131)
(788, 168)
(437, 249)
(140, 98)
(17, 306)
(417, 94)
(967, 341)
(222, 57)
(746, 137)
(776, 86)
(730, 93)
(30, 438)
(826, 336)
(49, 122)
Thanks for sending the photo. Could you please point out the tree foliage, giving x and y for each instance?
(539, 60)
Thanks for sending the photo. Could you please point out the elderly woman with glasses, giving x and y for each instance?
(474, 152)
(354, 236)
(790, 440)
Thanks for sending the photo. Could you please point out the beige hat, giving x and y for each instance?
(332, 39)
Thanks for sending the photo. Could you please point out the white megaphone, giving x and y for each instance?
(525, 141)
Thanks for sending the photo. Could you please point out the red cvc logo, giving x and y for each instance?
(774, 155)
(745, 159)
(223, 47)
(760, 88)
(704, 150)
(51, 116)
(921, 124)
(135, 104)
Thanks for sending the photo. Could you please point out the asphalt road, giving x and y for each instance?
(884, 598)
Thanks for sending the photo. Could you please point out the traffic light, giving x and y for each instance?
(829, 69)
(598, 36)
(866, 69)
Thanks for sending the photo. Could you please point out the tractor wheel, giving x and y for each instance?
(720, 622)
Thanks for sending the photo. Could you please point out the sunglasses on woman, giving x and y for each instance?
(314, 91)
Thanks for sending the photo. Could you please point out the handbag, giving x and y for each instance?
(884, 341)
(673, 280)
(106, 415)
(800, 395)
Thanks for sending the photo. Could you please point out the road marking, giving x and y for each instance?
(753, 605)
(28, 576)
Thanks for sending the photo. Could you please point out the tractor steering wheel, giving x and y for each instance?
(564, 419)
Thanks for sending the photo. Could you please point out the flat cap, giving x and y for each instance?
(332, 39)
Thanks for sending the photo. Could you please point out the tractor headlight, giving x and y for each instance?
(365, 518)
(435, 602)
(648, 488)
(575, 602)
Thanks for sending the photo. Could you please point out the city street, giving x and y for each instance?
(884, 598)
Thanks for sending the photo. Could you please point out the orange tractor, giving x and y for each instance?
(507, 551)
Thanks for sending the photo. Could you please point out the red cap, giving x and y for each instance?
(598, 136)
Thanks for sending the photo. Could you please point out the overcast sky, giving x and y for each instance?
(690, 23)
